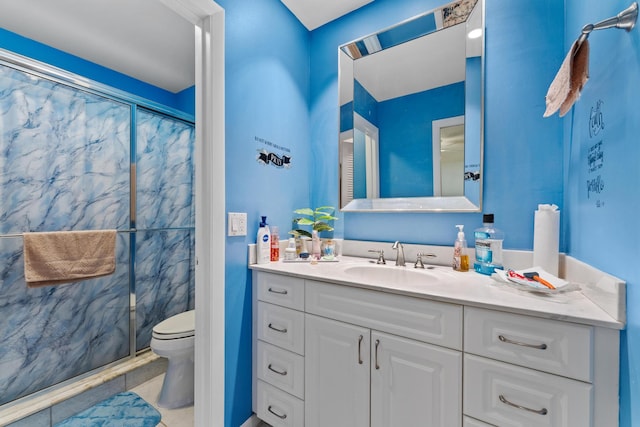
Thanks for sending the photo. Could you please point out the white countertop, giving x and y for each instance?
(468, 288)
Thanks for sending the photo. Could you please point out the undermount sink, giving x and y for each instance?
(392, 274)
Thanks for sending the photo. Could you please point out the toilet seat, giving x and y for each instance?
(176, 327)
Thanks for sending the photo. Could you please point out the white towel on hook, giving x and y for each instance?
(569, 81)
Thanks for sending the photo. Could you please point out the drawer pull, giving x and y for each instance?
(523, 344)
(282, 417)
(283, 373)
(377, 344)
(282, 331)
(278, 291)
(360, 338)
(504, 400)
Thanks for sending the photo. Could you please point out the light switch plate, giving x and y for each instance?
(237, 224)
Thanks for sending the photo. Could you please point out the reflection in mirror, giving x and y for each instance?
(411, 114)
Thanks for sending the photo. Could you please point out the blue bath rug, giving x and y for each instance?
(122, 410)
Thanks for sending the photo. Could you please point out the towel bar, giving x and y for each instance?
(625, 20)
(131, 230)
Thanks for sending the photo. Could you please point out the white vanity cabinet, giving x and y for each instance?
(369, 361)
(339, 355)
(337, 373)
(356, 377)
(278, 348)
(527, 371)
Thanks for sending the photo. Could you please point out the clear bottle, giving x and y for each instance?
(460, 256)
(275, 244)
(488, 242)
(328, 249)
(263, 243)
(290, 252)
(315, 245)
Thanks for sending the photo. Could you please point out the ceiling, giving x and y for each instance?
(400, 71)
(142, 39)
(314, 14)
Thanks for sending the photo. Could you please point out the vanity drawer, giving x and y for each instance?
(558, 347)
(278, 408)
(416, 318)
(281, 368)
(508, 395)
(281, 290)
(281, 326)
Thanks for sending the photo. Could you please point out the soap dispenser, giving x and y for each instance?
(460, 256)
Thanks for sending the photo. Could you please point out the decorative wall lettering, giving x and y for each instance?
(596, 122)
(266, 157)
(595, 156)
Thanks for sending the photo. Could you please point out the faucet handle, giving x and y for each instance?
(419, 255)
(380, 253)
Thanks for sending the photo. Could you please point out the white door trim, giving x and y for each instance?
(208, 20)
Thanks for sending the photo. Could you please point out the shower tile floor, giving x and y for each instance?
(149, 391)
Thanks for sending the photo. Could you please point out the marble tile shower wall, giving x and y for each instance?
(165, 211)
(65, 164)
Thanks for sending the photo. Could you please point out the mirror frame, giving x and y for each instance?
(414, 204)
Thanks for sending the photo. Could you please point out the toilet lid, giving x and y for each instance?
(179, 326)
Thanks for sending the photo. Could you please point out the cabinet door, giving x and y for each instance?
(413, 383)
(336, 374)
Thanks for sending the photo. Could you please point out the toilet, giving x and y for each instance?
(174, 339)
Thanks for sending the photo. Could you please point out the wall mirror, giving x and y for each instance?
(411, 114)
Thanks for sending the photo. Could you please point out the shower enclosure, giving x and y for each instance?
(78, 156)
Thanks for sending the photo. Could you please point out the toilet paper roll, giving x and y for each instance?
(546, 238)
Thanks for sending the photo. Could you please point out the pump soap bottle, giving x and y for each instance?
(460, 256)
(263, 243)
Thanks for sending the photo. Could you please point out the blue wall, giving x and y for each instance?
(267, 97)
(602, 219)
(406, 146)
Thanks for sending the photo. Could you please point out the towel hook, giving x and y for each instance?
(625, 20)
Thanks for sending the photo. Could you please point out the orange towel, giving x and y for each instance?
(68, 256)
(569, 81)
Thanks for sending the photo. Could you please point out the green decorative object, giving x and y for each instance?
(317, 218)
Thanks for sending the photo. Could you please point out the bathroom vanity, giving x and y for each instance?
(359, 344)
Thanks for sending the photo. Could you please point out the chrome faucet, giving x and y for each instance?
(400, 257)
(380, 253)
(419, 263)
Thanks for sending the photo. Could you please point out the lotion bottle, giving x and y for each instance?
(263, 243)
(460, 257)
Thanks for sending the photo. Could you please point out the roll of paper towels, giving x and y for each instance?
(546, 238)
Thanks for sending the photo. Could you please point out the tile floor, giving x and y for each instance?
(149, 391)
